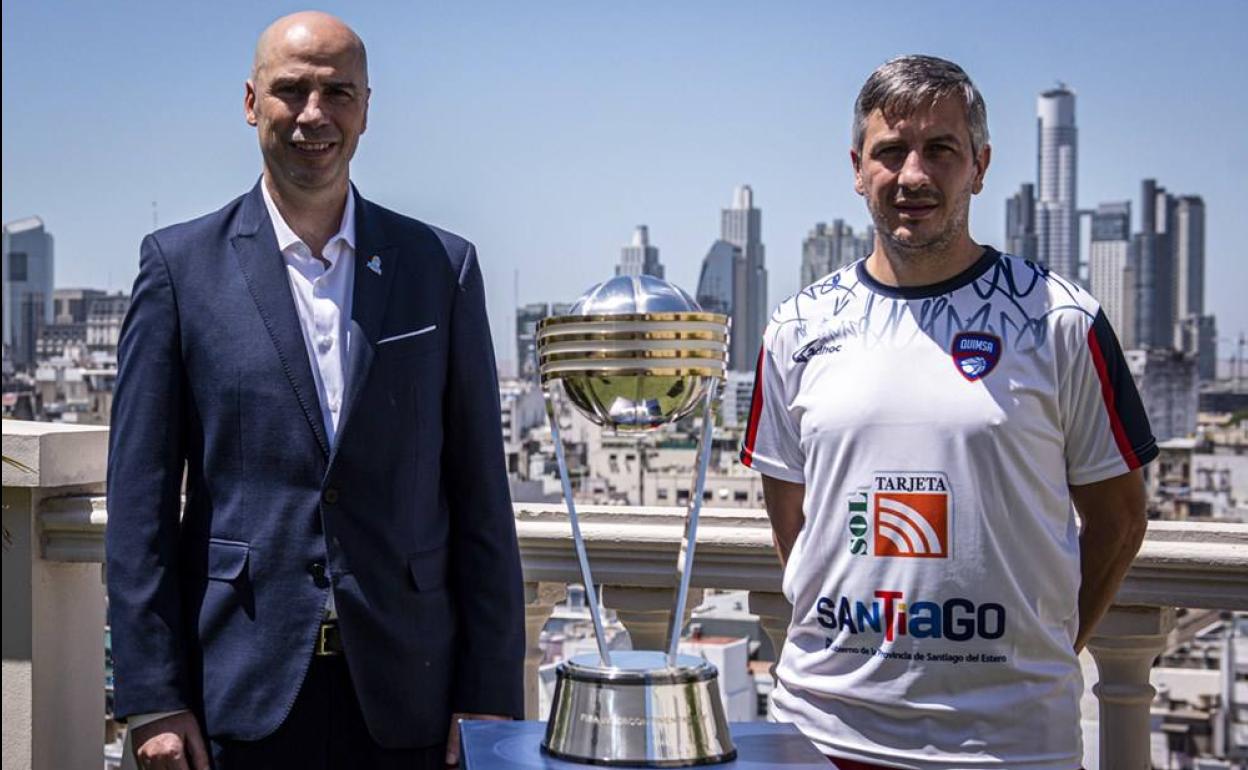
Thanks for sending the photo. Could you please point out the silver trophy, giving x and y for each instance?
(636, 353)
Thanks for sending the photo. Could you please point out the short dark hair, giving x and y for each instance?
(902, 85)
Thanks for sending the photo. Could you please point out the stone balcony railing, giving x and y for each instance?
(55, 515)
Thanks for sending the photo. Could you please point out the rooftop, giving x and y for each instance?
(23, 225)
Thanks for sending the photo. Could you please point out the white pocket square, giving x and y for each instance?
(416, 333)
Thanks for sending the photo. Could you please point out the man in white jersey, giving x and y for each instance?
(924, 420)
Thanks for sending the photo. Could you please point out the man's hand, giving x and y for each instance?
(452, 740)
(172, 743)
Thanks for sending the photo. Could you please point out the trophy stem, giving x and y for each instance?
(684, 562)
(591, 594)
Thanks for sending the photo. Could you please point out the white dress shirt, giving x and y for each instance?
(322, 295)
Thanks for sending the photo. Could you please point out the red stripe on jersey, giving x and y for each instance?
(756, 411)
(1107, 393)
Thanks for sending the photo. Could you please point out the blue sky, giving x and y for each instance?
(544, 131)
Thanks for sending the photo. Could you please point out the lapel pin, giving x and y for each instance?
(374, 264)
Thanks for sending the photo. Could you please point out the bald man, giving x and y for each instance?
(316, 373)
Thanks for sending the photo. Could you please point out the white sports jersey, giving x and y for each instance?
(935, 584)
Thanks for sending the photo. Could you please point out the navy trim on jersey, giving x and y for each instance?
(981, 266)
(1127, 418)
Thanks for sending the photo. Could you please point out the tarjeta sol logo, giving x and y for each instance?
(902, 514)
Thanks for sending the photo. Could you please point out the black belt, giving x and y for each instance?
(328, 639)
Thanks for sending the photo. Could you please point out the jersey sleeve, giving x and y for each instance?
(1106, 430)
(772, 443)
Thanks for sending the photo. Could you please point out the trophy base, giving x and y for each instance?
(639, 711)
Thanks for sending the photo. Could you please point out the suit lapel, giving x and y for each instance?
(265, 272)
(375, 268)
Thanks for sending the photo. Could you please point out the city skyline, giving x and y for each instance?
(521, 129)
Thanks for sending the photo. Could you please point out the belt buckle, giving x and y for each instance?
(323, 639)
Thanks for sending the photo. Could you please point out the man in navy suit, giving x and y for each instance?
(344, 574)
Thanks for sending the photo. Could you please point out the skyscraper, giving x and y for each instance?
(1057, 220)
(1020, 223)
(715, 281)
(1188, 243)
(527, 317)
(1111, 268)
(1154, 320)
(27, 286)
(1194, 332)
(827, 249)
(639, 257)
(742, 226)
(1170, 292)
(1163, 293)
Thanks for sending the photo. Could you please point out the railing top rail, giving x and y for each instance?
(1181, 564)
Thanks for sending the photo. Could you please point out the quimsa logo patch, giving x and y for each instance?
(975, 354)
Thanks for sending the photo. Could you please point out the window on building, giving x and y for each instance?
(682, 495)
(741, 496)
(17, 266)
(662, 494)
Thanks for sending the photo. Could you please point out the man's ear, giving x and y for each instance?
(249, 102)
(856, 160)
(981, 168)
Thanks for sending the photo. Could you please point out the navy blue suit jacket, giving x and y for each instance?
(407, 518)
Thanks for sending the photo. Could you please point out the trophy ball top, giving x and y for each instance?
(634, 352)
(625, 294)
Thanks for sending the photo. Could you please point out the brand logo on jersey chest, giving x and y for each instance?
(816, 348)
(830, 340)
(975, 354)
